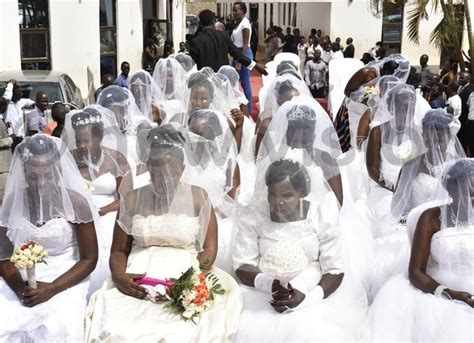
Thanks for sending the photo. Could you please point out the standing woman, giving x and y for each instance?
(241, 37)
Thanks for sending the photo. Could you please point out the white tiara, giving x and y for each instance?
(298, 113)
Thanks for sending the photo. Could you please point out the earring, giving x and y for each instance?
(301, 208)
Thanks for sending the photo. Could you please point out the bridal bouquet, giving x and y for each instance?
(370, 90)
(283, 261)
(193, 293)
(190, 295)
(26, 256)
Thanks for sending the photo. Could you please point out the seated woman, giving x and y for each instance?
(44, 203)
(419, 178)
(282, 89)
(216, 170)
(146, 94)
(129, 118)
(94, 141)
(170, 77)
(434, 302)
(291, 205)
(302, 123)
(165, 226)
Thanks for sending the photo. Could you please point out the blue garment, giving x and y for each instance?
(245, 78)
(437, 103)
(122, 81)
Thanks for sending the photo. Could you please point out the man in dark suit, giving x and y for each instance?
(349, 50)
(210, 48)
(464, 92)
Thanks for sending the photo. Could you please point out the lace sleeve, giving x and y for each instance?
(6, 247)
(245, 249)
(330, 257)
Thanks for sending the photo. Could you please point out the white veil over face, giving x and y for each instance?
(95, 141)
(122, 103)
(302, 123)
(186, 62)
(145, 92)
(234, 78)
(43, 185)
(396, 65)
(440, 147)
(282, 89)
(171, 79)
(214, 151)
(161, 189)
(401, 138)
(458, 191)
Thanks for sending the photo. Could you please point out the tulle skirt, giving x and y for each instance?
(338, 317)
(115, 317)
(401, 312)
(60, 319)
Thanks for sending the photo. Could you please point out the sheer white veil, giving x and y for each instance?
(145, 92)
(440, 147)
(302, 123)
(122, 103)
(159, 188)
(43, 185)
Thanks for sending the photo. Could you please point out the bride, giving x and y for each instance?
(165, 226)
(434, 302)
(44, 203)
(293, 204)
(94, 140)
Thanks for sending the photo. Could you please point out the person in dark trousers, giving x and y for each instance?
(349, 51)
(464, 93)
(210, 47)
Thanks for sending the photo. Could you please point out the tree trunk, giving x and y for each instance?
(467, 14)
(453, 33)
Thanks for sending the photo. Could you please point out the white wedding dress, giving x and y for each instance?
(401, 312)
(165, 248)
(61, 318)
(391, 246)
(337, 317)
(103, 191)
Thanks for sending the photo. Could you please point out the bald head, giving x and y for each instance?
(42, 100)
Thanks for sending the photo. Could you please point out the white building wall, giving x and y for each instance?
(75, 40)
(129, 34)
(354, 20)
(10, 58)
(179, 22)
(315, 15)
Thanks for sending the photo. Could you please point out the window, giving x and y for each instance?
(108, 37)
(289, 14)
(265, 25)
(284, 13)
(34, 34)
(392, 28)
(271, 15)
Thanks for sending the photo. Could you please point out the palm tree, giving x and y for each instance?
(448, 30)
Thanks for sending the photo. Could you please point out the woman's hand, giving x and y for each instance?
(103, 211)
(238, 117)
(461, 296)
(279, 292)
(43, 292)
(295, 298)
(126, 285)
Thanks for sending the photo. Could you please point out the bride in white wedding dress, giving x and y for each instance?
(93, 137)
(293, 204)
(435, 301)
(44, 203)
(165, 226)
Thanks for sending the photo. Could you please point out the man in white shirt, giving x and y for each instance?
(337, 53)
(326, 54)
(454, 105)
(14, 117)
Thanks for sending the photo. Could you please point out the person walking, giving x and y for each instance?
(241, 36)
